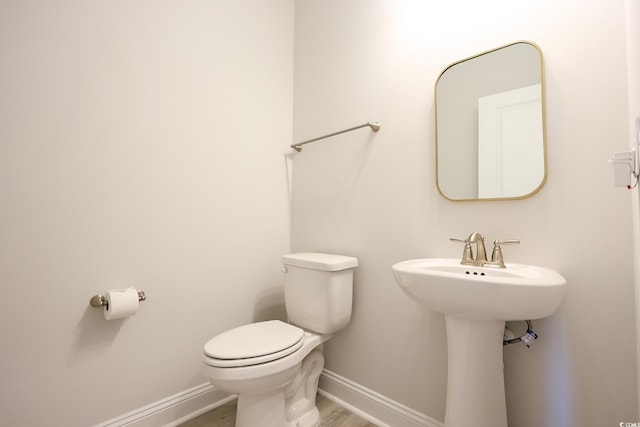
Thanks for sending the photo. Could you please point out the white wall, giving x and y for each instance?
(374, 196)
(141, 143)
(633, 66)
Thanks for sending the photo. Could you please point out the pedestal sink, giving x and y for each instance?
(476, 302)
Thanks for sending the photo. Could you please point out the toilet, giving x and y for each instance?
(274, 366)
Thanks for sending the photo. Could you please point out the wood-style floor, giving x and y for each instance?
(331, 415)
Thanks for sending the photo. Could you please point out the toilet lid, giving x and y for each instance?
(254, 343)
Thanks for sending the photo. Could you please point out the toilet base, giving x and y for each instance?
(301, 410)
(310, 419)
(265, 410)
(293, 405)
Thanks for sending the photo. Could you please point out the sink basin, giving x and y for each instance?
(476, 302)
(518, 292)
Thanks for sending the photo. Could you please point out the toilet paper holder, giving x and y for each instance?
(100, 301)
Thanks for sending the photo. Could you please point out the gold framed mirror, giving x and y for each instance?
(490, 125)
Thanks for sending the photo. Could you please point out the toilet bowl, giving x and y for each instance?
(274, 366)
(261, 377)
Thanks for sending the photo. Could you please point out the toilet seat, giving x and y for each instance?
(253, 344)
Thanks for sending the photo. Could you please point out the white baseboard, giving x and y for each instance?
(370, 405)
(173, 410)
(181, 407)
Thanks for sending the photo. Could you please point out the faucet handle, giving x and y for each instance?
(467, 254)
(457, 239)
(506, 242)
(496, 256)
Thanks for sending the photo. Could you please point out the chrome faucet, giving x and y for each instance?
(480, 259)
(467, 256)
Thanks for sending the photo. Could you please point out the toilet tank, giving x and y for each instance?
(318, 290)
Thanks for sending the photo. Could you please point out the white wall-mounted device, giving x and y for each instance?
(626, 164)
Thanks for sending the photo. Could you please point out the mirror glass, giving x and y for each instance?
(490, 125)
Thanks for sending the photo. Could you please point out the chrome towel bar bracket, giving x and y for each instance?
(375, 126)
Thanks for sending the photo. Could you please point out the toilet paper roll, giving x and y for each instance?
(121, 303)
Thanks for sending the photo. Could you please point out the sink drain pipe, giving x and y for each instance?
(527, 338)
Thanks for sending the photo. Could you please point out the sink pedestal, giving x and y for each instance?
(475, 382)
(472, 298)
